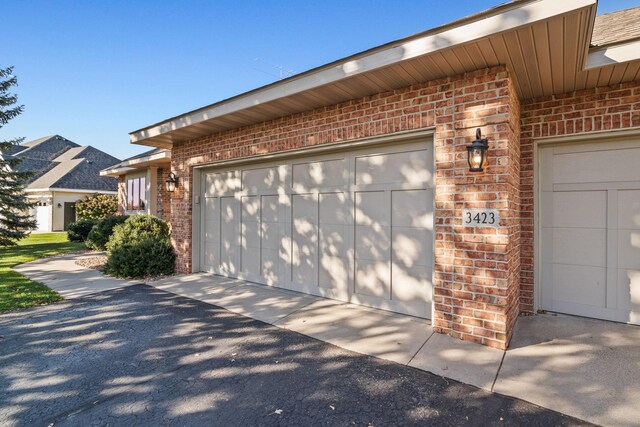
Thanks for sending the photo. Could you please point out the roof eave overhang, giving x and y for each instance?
(67, 190)
(250, 107)
(156, 159)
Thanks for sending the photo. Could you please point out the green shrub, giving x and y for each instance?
(143, 257)
(97, 206)
(79, 230)
(136, 227)
(100, 233)
(140, 247)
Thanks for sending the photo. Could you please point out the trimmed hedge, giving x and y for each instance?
(147, 256)
(79, 231)
(140, 247)
(100, 233)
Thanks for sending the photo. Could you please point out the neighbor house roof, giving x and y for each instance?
(60, 164)
(544, 43)
(159, 157)
(616, 27)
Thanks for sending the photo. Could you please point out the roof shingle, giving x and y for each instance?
(616, 27)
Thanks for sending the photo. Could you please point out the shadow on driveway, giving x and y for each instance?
(141, 356)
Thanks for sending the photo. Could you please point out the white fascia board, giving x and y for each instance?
(614, 54)
(116, 172)
(68, 190)
(517, 16)
(130, 165)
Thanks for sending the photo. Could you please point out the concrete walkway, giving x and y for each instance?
(585, 368)
(63, 275)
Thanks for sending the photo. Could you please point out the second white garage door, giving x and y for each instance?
(354, 226)
(590, 236)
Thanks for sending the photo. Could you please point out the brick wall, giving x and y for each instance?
(585, 111)
(477, 269)
(476, 273)
(163, 200)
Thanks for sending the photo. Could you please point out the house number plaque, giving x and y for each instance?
(480, 217)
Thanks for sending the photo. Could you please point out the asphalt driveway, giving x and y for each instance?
(141, 356)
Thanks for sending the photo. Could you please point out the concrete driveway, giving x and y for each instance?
(141, 356)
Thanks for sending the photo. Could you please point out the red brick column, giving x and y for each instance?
(163, 201)
(476, 284)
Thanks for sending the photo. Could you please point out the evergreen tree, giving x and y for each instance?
(15, 221)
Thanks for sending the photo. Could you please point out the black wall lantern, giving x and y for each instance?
(477, 153)
(172, 182)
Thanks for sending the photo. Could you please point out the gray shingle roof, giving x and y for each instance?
(62, 164)
(616, 27)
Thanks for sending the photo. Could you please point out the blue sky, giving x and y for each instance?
(93, 71)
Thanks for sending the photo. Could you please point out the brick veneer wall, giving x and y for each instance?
(163, 201)
(585, 111)
(476, 274)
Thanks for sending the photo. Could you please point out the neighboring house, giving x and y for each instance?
(141, 180)
(351, 181)
(63, 173)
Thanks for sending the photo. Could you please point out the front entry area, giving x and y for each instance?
(355, 226)
(590, 229)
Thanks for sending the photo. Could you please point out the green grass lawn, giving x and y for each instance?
(17, 291)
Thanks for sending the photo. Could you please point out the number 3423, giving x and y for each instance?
(479, 217)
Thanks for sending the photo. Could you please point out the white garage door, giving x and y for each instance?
(590, 240)
(43, 217)
(354, 226)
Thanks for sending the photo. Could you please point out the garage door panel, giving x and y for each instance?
(334, 274)
(250, 234)
(373, 279)
(250, 262)
(576, 209)
(210, 257)
(596, 166)
(271, 235)
(229, 261)
(411, 246)
(629, 209)
(314, 176)
(305, 207)
(372, 243)
(629, 249)
(410, 283)
(578, 246)
(305, 272)
(629, 290)
(222, 183)
(270, 267)
(370, 208)
(333, 239)
(270, 208)
(304, 239)
(211, 219)
(579, 284)
(229, 236)
(411, 167)
(256, 180)
(412, 208)
(334, 208)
